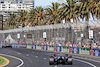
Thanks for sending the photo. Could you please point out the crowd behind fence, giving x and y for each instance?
(68, 44)
(68, 34)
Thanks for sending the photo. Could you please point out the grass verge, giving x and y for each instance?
(2, 61)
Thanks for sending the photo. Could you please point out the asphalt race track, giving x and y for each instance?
(34, 58)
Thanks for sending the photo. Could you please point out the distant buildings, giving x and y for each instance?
(13, 6)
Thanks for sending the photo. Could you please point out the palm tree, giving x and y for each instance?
(52, 13)
(12, 20)
(32, 16)
(40, 18)
(93, 7)
(22, 18)
(69, 10)
(97, 9)
(85, 10)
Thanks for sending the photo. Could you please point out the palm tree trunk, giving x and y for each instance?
(13, 26)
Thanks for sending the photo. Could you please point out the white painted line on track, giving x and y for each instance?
(19, 53)
(55, 66)
(88, 59)
(27, 54)
(85, 62)
(22, 62)
(44, 58)
(36, 56)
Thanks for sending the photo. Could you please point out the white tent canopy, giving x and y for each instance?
(9, 39)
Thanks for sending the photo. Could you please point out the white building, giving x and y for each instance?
(13, 6)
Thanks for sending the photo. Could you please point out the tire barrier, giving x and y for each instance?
(44, 47)
(96, 52)
(29, 46)
(51, 48)
(74, 50)
(1, 44)
(15, 45)
(85, 51)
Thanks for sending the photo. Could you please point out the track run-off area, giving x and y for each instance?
(35, 58)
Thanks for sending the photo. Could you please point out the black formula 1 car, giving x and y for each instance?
(60, 59)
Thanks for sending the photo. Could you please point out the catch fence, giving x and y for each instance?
(62, 33)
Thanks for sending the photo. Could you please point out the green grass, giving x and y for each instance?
(2, 61)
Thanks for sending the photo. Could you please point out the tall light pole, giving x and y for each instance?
(1, 20)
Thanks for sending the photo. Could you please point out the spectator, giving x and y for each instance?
(59, 44)
(84, 45)
(67, 44)
(99, 46)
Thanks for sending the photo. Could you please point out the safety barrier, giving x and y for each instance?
(29, 46)
(74, 50)
(15, 45)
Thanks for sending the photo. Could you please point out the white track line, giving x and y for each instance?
(88, 59)
(19, 53)
(27, 54)
(55, 66)
(22, 62)
(85, 62)
(44, 58)
(36, 56)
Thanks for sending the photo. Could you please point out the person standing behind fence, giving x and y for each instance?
(67, 44)
(59, 44)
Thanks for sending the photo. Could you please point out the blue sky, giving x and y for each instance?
(45, 3)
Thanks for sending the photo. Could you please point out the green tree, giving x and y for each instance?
(32, 16)
(12, 20)
(69, 10)
(40, 18)
(93, 7)
(52, 13)
(22, 18)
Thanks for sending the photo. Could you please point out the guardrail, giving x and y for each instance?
(74, 50)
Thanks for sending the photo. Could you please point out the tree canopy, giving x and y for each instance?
(56, 13)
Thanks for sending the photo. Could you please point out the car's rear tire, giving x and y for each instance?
(51, 60)
(50, 63)
(63, 63)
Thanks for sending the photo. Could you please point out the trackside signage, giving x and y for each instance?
(12, 45)
(84, 51)
(51, 48)
(1, 44)
(22, 46)
(33, 46)
(65, 49)
(39, 47)
(75, 50)
(58, 48)
(44, 47)
(96, 52)
(29, 46)
(15, 45)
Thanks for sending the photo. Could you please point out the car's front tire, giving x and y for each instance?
(69, 61)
